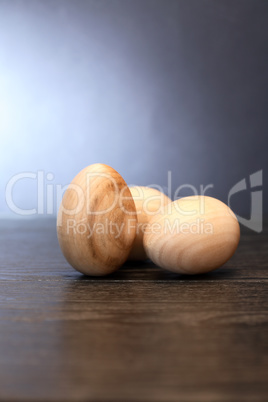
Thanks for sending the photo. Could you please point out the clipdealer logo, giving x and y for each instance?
(255, 221)
(49, 194)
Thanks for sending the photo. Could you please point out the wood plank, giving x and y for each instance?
(141, 334)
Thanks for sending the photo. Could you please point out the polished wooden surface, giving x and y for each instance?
(141, 334)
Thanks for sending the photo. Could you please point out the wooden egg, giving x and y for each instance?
(148, 202)
(194, 235)
(97, 220)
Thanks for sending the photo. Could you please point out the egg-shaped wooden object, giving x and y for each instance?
(193, 235)
(149, 202)
(96, 223)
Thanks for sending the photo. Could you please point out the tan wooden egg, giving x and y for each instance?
(194, 235)
(97, 220)
(148, 202)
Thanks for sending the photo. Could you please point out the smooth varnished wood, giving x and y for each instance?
(140, 334)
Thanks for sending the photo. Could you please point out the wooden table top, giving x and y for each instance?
(141, 334)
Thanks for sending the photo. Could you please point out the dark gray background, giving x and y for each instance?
(145, 86)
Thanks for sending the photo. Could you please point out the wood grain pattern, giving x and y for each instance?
(193, 235)
(97, 220)
(140, 334)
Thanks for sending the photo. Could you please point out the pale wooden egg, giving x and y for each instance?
(194, 235)
(148, 202)
(97, 220)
